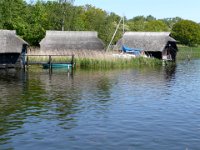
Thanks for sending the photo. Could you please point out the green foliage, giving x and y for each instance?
(88, 63)
(171, 21)
(31, 20)
(150, 18)
(12, 14)
(149, 23)
(37, 22)
(156, 26)
(137, 23)
(78, 22)
(187, 53)
(186, 32)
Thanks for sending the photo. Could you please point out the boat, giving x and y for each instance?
(135, 51)
(47, 66)
(125, 49)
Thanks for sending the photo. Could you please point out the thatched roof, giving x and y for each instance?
(71, 40)
(10, 42)
(147, 41)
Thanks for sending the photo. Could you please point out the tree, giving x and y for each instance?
(138, 18)
(156, 26)
(186, 32)
(150, 18)
(171, 21)
(1, 14)
(108, 28)
(37, 23)
(12, 13)
(137, 23)
(78, 19)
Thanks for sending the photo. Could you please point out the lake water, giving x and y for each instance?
(139, 108)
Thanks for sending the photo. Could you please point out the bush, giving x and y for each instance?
(186, 32)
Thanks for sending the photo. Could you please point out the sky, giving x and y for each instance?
(186, 9)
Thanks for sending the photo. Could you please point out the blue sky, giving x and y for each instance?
(186, 9)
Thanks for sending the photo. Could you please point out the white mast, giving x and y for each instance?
(122, 19)
(123, 32)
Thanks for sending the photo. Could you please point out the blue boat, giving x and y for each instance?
(47, 66)
(135, 51)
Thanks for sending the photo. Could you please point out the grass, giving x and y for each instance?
(86, 59)
(89, 59)
(186, 52)
(88, 63)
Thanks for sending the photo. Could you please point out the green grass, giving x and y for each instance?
(188, 52)
(88, 63)
(101, 63)
(86, 59)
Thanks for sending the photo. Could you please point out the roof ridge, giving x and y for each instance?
(147, 33)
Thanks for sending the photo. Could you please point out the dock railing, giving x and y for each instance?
(48, 59)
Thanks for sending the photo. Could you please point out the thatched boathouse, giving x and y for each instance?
(11, 48)
(155, 44)
(71, 40)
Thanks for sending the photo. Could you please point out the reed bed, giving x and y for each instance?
(89, 59)
(188, 53)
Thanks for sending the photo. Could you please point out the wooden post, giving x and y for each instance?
(50, 64)
(23, 60)
(27, 59)
(72, 62)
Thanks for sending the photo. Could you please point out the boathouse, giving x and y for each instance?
(155, 44)
(11, 48)
(71, 40)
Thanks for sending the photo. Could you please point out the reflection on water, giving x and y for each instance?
(141, 108)
(170, 71)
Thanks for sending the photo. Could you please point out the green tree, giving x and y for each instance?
(108, 28)
(171, 21)
(1, 14)
(186, 32)
(138, 18)
(78, 21)
(37, 23)
(150, 18)
(156, 26)
(12, 13)
(136, 23)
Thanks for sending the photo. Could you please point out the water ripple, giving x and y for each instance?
(139, 108)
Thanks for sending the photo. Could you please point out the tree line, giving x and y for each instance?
(31, 20)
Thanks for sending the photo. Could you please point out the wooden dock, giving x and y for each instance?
(49, 60)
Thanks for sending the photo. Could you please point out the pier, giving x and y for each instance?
(49, 61)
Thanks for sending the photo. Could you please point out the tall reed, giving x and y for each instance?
(188, 52)
(89, 59)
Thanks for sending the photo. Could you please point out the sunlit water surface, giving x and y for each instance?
(139, 108)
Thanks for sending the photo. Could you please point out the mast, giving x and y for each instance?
(115, 33)
(123, 32)
(123, 25)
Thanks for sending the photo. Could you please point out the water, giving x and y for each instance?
(141, 108)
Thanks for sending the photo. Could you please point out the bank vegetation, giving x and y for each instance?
(31, 20)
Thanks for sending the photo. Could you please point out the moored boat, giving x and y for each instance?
(47, 66)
